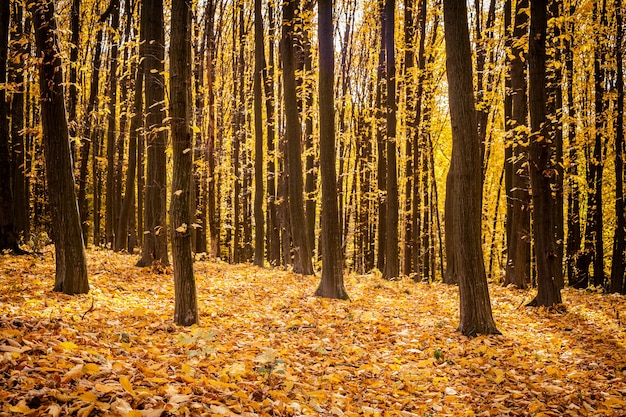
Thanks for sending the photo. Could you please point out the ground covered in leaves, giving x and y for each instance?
(266, 347)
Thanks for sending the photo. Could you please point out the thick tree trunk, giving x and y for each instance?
(302, 250)
(464, 195)
(381, 162)
(331, 284)
(541, 170)
(185, 304)
(153, 55)
(71, 265)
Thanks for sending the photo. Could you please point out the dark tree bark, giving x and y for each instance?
(71, 265)
(273, 231)
(379, 129)
(259, 66)
(619, 239)
(411, 124)
(8, 235)
(331, 284)
(185, 304)
(392, 263)
(573, 207)
(20, 151)
(153, 54)
(112, 199)
(128, 201)
(72, 103)
(518, 250)
(85, 147)
(464, 192)
(302, 250)
(541, 170)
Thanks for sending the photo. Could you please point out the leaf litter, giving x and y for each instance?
(266, 347)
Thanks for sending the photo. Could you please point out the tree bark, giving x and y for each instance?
(518, 250)
(8, 235)
(153, 54)
(259, 66)
(185, 304)
(464, 193)
(392, 263)
(71, 265)
(331, 284)
(302, 250)
(541, 169)
(619, 239)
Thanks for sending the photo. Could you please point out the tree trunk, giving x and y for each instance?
(71, 265)
(8, 235)
(331, 284)
(619, 239)
(20, 152)
(392, 264)
(273, 232)
(379, 129)
(464, 193)
(259, 66)
(153, 54)
(541, 169)
(302, 251)
(185, 304)
(518, 250)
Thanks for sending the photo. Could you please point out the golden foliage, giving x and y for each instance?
(267, 347)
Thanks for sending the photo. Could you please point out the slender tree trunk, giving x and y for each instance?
(331, 284)
(73, 81)
(185, 304)
(128, 201)
(619, 239)
(518, 251)
(153, 55)
(259, 66)
(541, 169)
(464, 191)
(392, 264)
(71, 265)
(302, 251)
(111, 197)
(8, 235)
(20, 152)
(379, 130)
(273, 232)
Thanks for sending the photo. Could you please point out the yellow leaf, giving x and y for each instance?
(91, 368)
(73, 373)
(54, 410)
(613, 402)
(88, 397)
(68, 345)
(182, 228)
(105, 388)
(134, 413)
(21, 408)
(125, 383)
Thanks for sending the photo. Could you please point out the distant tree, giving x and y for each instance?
(541, 169)
(464, 182)
(619, 238)
(71, 265)
(185, 305)
(518, 251)
(302, 250)
(331, 284)
(8, 235)
(153, 55)
(259, 66)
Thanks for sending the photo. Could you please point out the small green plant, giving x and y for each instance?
(439, 356)
(269, 365)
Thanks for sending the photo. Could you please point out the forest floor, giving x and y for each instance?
(266, 347)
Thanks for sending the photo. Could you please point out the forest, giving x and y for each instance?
(373, 207)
